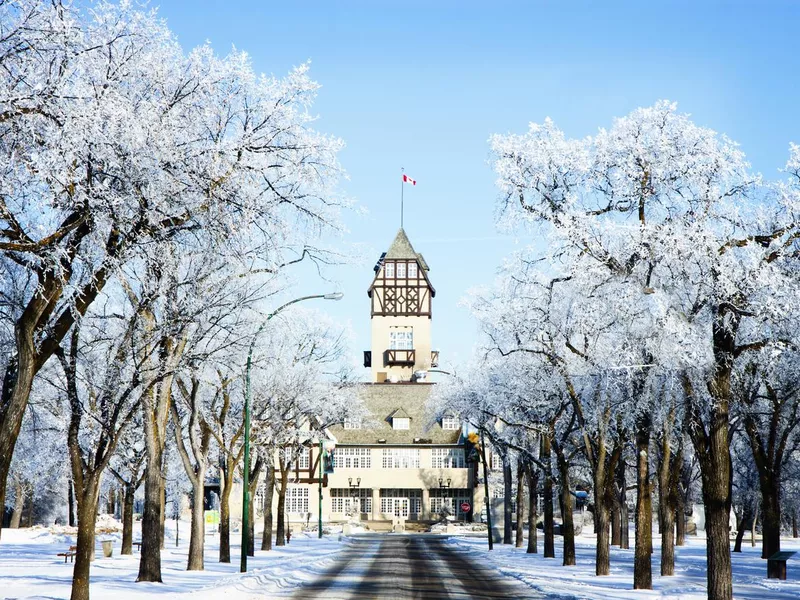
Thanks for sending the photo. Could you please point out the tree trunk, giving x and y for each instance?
(30, 507)
(771, 519)
(226, 483)
(508, 514)
(269, 486)
(622, 503)
(603, 558)
(616, 521)
(533, 500)
(643, 549)
(668, 542)
(567, 523)
(17, 383)
(280, 530)
(549, 540)
(198, 532)
(680, 521)
(794, 524)
(150, 560)
(19, 504)
(520, 503)
(741, 527)
(753, 528)
(112, 501)
(127, 519)
(163, 511)
(70, 504)
(88, 499)
(715, 500)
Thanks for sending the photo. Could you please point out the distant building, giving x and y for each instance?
(398, 461)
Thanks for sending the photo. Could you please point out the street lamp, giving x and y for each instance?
(246, 488)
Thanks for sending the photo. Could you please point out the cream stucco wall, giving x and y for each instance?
(376, 478)
(381, 327)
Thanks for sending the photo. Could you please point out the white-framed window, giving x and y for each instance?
(388, 270)
(412, 270)
(401, 339)
(350, 501)
(400, 458)
(447, 458)
(496, 462)
(298, 458)
(401, 502)
(451, 423)
(352, 423)
(352, 458)
(401, 270)
(401, 422)
(297, 499)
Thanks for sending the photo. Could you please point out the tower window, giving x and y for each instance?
(412, 270)
(389, 270)
(401, 339)
(401, 270)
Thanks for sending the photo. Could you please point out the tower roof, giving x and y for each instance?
(402, 248)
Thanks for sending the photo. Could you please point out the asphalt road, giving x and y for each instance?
(410, 566)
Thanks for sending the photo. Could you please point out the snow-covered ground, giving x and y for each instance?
(688, 583)
(29, 568)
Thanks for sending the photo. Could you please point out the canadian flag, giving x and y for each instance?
(407, 179)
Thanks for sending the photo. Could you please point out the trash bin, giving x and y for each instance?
(108, 548)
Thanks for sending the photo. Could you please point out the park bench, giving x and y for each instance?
(69, 554)
(776, 565)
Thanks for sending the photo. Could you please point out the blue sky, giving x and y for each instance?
(422, 85)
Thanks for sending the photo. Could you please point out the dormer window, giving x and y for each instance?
(389, 270)
(401, 423)
(401, 270)
(450, 423)
(412, 270)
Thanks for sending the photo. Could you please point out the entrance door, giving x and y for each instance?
(401, 507)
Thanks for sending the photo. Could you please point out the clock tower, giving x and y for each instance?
(401, 307)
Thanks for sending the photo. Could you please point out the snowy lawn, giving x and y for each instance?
(688, 583)
(29, 568)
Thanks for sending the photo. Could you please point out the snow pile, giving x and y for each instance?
(107, 524)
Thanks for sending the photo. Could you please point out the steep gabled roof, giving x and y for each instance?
(401, 247)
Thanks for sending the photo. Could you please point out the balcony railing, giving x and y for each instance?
(398, 357)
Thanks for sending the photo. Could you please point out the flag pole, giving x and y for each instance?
(402, 189)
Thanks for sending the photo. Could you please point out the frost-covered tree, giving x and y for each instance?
(299, 389)
(112, 141)
(667, 212)
(769, 405)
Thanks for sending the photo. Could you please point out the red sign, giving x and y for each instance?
(465, 506)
